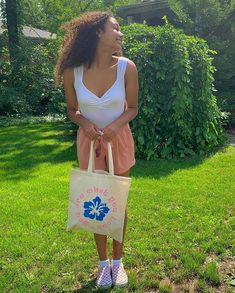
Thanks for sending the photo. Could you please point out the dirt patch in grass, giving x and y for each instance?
(226, 270)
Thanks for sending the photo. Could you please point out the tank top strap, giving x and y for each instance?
(122, 67)
(77, 73)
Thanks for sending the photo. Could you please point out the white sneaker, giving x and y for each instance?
(119, 276)
(104, 279)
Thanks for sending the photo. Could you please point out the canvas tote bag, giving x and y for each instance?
(97, 199)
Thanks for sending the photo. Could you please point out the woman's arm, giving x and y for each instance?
(73, 112)
(132, 88)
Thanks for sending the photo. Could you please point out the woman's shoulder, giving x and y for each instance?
(130, 68)
(130, 65)
(122, 58)
(68, 74)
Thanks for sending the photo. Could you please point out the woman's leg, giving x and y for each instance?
(101, 245)
(117, 246)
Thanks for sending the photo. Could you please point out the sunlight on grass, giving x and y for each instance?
(180, 211)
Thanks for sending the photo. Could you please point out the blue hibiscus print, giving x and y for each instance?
(95, 209)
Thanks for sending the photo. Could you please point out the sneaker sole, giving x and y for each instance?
(104, 287)
(120, 285)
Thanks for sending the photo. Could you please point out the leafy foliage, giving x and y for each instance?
(178, 113)
(214, 21)
(31, 90)
(50, 14)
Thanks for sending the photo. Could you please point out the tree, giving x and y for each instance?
(50, 14)
(12, 27)
(213, 20)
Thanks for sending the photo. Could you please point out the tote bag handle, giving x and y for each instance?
(91, 163)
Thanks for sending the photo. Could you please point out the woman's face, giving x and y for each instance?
(111, 37)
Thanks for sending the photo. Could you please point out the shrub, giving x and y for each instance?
(178, 113)
(31, 89)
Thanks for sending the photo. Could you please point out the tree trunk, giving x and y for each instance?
(12, 27)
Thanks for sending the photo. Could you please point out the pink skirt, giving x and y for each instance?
(122, 150)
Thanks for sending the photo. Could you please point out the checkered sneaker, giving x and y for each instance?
(104, 279)
(119, 276)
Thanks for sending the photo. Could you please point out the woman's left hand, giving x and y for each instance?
(110, 131)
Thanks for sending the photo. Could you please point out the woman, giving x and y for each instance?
(101, 93)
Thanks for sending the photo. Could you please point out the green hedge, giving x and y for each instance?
(178, 113)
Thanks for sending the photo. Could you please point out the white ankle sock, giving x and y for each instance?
(116, 262)
(104, 263)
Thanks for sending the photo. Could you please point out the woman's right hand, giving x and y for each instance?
(90, 130)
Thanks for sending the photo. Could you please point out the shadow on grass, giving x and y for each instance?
(91, 287)
(88, 287)
(164, 167)
(23, 147)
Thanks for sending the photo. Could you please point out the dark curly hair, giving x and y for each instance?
(80, 41)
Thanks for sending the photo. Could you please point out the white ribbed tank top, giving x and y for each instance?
(102, 110)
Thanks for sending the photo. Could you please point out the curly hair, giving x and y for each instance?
(80, 41)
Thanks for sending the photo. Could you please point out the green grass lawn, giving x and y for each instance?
(180, 234)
